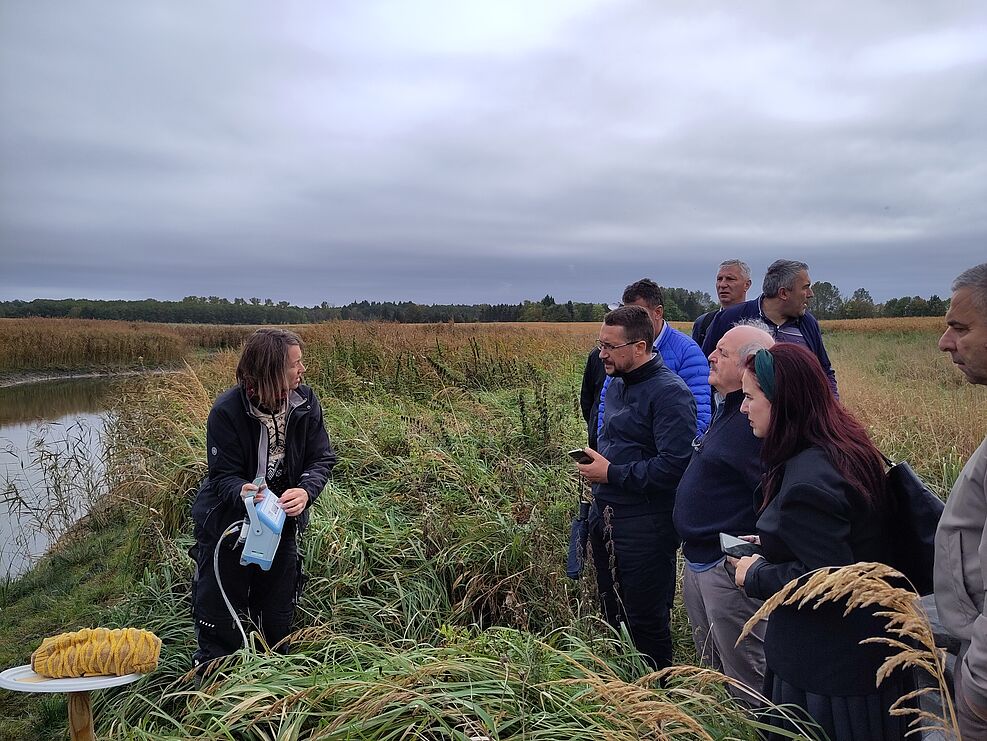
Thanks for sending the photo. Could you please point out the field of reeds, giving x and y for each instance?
(49, 345)
(437, 604)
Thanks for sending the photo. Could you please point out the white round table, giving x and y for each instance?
(24, 679)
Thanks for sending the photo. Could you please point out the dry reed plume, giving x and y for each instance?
(864, 585)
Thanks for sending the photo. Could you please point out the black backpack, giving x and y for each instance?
(914, 517)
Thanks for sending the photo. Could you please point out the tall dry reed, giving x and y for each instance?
(50, 344)
(907, 630)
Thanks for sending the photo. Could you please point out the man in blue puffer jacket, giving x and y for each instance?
(678, 351)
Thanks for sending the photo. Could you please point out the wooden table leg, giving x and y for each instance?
(80, 717)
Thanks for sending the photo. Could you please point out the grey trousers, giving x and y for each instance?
(717, 611)
(972, 726)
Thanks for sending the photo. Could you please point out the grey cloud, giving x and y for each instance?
(154, 152)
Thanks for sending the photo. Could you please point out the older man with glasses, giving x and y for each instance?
(649, 421)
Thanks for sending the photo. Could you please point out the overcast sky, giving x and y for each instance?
(486, 151)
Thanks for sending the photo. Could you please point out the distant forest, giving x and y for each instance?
(680, 305)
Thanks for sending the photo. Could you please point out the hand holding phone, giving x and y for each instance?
(737, 547)
(579, 456)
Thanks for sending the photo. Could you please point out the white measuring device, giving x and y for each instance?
(263, 529)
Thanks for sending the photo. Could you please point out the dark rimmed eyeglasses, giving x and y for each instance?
(606, 346)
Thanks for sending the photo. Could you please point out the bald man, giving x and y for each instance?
(716, 495)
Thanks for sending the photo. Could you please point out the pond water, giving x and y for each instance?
(51, 461)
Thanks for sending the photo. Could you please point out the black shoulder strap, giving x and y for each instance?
(707, 320)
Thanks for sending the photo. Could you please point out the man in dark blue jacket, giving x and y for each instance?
(716, 495)
(783, 305)
(677, 350)
(649, 422)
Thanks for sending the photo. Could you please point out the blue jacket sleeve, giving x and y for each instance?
(694, 370)
(673, 429)
(602, 405)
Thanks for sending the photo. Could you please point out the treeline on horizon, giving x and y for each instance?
(680, 305)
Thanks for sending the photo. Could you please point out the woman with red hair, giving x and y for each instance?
(822, 503)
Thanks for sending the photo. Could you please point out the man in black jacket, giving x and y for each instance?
(715, 495)
(733, 279)
(649, 421)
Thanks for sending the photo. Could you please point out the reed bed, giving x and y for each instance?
(916, 406)
(453, 682)
(60, 344)
(212, 336)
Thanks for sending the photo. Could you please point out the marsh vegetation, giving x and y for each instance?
(437, 604)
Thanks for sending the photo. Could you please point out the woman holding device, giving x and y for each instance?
(822, 503)
(268, 429)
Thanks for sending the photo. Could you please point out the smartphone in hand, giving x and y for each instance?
(737, 547)
(579, 456)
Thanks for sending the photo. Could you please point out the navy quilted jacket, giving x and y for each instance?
(682, 356)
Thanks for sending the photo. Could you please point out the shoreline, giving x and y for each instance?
(26, 378)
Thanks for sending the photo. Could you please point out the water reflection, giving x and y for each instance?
(55, 400)
(51, 461)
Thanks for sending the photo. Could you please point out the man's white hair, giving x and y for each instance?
(975, 279)
(745, 269)
(758, 342)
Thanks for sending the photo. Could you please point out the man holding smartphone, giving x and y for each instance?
(677, 351)
(716, 496)
(644, 444)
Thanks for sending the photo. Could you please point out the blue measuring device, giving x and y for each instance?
(265, 523)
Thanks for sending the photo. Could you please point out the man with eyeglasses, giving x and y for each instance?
(677, 350)
(644, 445)
(716, 496)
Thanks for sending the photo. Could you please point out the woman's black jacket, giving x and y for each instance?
(233, 439)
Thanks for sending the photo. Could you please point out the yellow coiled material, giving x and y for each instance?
(97, 652)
